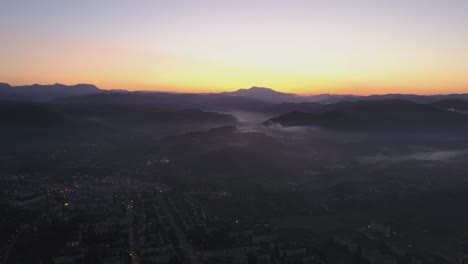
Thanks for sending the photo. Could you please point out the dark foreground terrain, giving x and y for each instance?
(223, 178)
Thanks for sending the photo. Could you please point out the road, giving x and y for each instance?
(183, 242)
(5, 256)
(132, 238)
(10, 247)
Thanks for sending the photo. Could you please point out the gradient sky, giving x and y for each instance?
(307, 47)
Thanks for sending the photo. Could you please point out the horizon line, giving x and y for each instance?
(234, 90)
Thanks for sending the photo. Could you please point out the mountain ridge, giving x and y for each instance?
(38, 92)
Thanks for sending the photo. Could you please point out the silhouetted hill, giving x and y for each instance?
(5, 86)
(38, 92)
(48, 115)
(384, 116)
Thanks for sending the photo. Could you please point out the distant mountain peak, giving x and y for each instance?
(259, 88)
(265, 94)
(262, 89)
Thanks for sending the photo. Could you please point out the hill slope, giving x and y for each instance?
(383, 116)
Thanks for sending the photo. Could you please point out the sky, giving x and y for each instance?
(299, 46)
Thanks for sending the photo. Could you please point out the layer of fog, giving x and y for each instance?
(279, 131)
(247, 118)
(253, 122)
(433, 155)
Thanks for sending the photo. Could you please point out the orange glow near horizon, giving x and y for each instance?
(303, 47)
